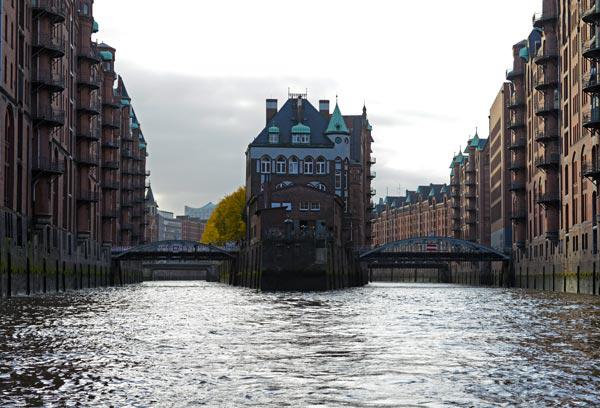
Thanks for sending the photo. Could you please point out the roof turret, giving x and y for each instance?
(337, 124)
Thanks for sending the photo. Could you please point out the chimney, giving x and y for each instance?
(324, 108)
(271, 110)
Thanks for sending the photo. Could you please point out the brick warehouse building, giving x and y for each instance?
(73, 155)
(543, 155)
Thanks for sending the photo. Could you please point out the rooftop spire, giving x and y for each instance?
(337, 124)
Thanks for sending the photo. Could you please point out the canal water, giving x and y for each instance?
(197, 343)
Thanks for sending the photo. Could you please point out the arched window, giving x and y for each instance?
(293, 165)
(321, 166)
(281, 165)
(265, 165)
(309, 165)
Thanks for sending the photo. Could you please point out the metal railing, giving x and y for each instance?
(50, 115)
(50, 78)
(88, 196)
(41, 164)
(49, 42)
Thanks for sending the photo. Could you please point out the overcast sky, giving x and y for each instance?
(199, 73)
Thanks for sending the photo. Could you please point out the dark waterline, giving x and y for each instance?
(193, 343)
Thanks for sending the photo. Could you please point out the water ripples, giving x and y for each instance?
(188, 344)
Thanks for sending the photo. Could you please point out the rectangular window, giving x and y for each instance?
(305, 139)
(265, 166)
(304, 206)
(281, 167)
(273, 138)
(315, 206)
(308, 167)
(321, 167)
(293, 167)
(338, 179)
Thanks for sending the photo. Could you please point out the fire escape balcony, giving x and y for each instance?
(89, 81)
(592, 15)
(110, 185)
(470, 195)
(55, 47)
(111, 102)
(127, 186)
(515, 102)
(89, 134)
(591, 49)
(591, 119)
(54, 9)
(516, 164)
(126, 202)
(548, 161)
(89, 54)
(543, 82)
(546, 54)
(544, 136)
(109, 144)
(49, 116)
(540, 19)
(470, 181)
(89, 107)
(147, 173)
(372, 175)
(53, 81)
(549, 199)
(111, 214)
(591, 83)
(591, 169)
(516, 122)
(88, 197)
(517, 143)
(127, 154)
(512, 74)
(471, 219)
(517, 186)
(372, 192)
(126, 227)
(372, 161)
(547, 108)
(454, 194)
(128, 172)
(46, 166)
(518, 214)
(111, 123)
(88, 159)
(110, 165)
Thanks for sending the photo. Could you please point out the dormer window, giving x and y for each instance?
(273, 135)
(301, 134)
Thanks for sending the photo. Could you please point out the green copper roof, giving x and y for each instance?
(301, 129)
(135, 125)
(274, 130)
(125, 102)
(142, 145)
(95, 27)
(524, 53)
(106, 55)
(475, 141)
(337, 125)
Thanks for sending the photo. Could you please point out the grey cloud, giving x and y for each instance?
(198, 129)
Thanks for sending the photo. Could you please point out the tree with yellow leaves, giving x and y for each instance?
(226, 224)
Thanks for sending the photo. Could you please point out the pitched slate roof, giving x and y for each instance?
(286, 118)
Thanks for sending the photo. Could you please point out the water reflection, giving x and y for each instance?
(383, 345)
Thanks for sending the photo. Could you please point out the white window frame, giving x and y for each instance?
(309, 166)
(293, 165)
(304, 206)
(273, 138)
(281, 166)
(316, 206)
(321, 167)
(305, 139)
(296, 138)
(265, 165)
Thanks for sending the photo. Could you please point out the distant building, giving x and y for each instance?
(191, 228)
(169, 228)
(151, 217)
(202, 213)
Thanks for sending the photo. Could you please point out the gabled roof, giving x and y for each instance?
(337, 124)
(286, 118)
(150, 196)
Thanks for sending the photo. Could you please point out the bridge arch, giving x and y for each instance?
(174, 250)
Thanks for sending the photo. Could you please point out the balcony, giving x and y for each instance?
(516, 164)
(89, 134)
(46, 166)
(111, 214)
(111, 123)
(110, 185)
(512, 74)
(127, 154)
(592, 15)
(89, 107)
(372, 175)
(372, 161)
(126, 227)
(545, 108)
(591, 119)
(55, 47)
(54, 9)
(49, 116)
(540, 19)
(471, 219)
(546, 136)
(126, 203)
(470, 195)
(127, 136)
(140, 159)
(127, 186)
(470, 207)
(518, 214)
(546, 54)
(549, 199)
(89, 81)
(110, 165)
(372, 192)
(591, 169)
(454, 194)
(591, 49)
(515, 102)
(88, 159)
(129, 172)
(515, 123)
(470, 181)
(543, 82)
(88, 197)
(111, 102)
(90, 54)
(548, 161)
(517, 186)
(53, 81)
(109, 144)
(517, 143)
(147, 173)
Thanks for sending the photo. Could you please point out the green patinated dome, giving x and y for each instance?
(274, 130)
(301, 129)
